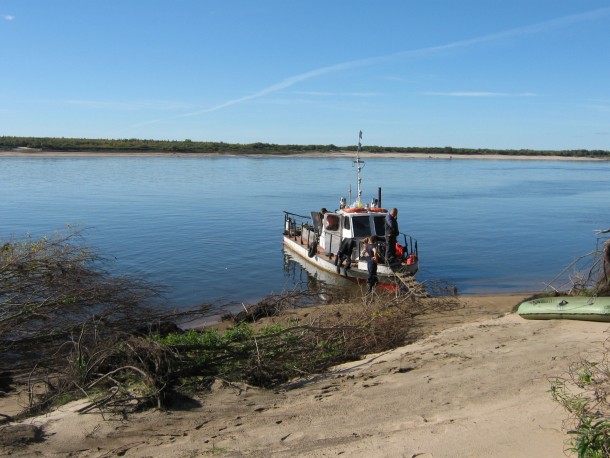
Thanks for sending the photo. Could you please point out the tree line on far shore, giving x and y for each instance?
(50, 144)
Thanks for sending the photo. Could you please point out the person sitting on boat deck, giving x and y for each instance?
(391, 233)
(370, 254)
(345, 254)
(323, 211)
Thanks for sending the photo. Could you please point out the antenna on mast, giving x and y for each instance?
(358, 168)
(350, 193)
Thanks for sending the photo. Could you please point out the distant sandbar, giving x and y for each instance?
(311, 154)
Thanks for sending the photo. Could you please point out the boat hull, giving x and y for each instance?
(567, 308)
(357, 273)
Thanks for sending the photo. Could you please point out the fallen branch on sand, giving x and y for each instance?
(69, 330)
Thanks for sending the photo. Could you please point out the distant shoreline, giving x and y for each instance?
(309, 154)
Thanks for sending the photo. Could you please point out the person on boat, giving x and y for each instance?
(345, 254)
(391, 233)
(332, 222)
(370, 254)
(323, 211)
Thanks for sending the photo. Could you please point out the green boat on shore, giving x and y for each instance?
(567, 308)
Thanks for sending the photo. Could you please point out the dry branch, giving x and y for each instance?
(588, 274)
(77, 331)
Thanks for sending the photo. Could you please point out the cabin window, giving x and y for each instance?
(332, 222)
(346, 223)
(362, 226)
(379, 225)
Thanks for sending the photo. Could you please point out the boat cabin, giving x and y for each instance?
(354, 223)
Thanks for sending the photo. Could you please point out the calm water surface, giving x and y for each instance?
(210, 228)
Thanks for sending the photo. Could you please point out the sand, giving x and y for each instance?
(476, 385)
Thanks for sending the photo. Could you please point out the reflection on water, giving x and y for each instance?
(303, 275)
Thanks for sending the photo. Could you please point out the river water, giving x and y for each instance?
(209, 228)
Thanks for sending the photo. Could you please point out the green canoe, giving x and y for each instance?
(566, 307)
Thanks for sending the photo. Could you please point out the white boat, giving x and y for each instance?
(316, 239)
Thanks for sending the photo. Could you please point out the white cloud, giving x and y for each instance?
(603, 108)
(334, 94)
(343, 66)
(130, 106)
(598, 105)
(479, 94)
(291, 81)
(8, 17)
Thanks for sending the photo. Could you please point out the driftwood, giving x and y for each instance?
(588, 274)
(68, 329)
(274, 305)
(121, 373)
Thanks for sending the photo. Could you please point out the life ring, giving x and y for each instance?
(378, 209)
(313, 249)
(354, 210)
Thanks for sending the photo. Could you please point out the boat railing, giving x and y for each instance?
(296, 225)
(410, 244)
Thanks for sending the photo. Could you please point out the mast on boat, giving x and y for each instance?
(358, 202)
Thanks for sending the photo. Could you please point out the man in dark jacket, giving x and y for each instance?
(345, 253)
(391, 232)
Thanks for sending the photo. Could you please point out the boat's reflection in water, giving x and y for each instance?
(305, 276)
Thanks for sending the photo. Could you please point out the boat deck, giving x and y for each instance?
(396, 277)
(320, 252)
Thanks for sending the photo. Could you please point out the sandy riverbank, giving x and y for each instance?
(476, 385)
(347, 154)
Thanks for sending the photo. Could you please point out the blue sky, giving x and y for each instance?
(502, 74)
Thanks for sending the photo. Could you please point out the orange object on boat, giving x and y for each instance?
(354, 210)
(399, 250)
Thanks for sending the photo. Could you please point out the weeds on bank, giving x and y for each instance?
(70, 330)
(123, 373)
(585, 392)
(585, 395)
(274, 354)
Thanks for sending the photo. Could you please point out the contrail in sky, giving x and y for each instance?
(291, 81)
